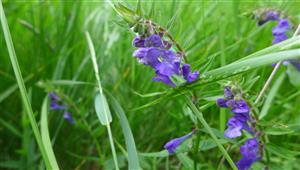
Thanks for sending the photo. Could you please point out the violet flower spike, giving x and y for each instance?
(250, 154)
(172, 145)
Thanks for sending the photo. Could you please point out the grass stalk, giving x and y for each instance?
(96, 69)
(21, 85)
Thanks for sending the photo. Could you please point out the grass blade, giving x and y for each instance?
(133, 160)
(105, 110)
(246, 65)
(271, 95)
(20, 81)
(45, 134)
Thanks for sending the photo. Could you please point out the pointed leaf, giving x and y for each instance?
(102, 109)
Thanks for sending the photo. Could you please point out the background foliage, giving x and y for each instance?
(53, 55)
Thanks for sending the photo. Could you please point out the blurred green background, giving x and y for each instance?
(51, 46)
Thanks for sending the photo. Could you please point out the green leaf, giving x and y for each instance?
(246, 65)
(163, 153)
(45, 135)
(127, 14)
(278, 131)
(102, 109)
(138, 8)
(21, 85)
(11, 165)
(133, 161)
(294, 75)
(210, 144)
(280, 151)
(186, 161)
(271, 95)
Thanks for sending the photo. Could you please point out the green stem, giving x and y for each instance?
(96, 69)
(23, 91)
(211, 133)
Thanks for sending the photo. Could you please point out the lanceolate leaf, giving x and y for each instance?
(246, 65)
(102, 109)
(46, 136)
(294, 75)
(133, 161)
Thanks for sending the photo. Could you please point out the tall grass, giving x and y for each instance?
(50, 42)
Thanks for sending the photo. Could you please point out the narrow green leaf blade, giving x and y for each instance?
(271, 95)
(102, 109)
(45, 135)
(133, 160)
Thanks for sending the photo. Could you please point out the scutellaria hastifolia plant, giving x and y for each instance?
(170, 66)
(154, 51)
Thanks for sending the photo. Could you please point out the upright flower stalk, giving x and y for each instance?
(241, 120)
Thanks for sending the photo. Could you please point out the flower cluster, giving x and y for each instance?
(56, 105)
(240, 109)
(153, 51)
(250, 154)
(238, 122)
(172, 145)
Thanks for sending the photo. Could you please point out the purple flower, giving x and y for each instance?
(234, 129)
(269, 16)
(239, 106)
(138, 42)
(54, 99)
(279, 38)
(148, 56)
(272, 16)
(236, 124)
(53, 96)
(68, 117)
(153, 40)
(188, 76)
(168, 69)
(221, 102)
(174, 143)
(250, 154)
(279, 31)
(56, 106)
(281, 28)
(162, 78)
